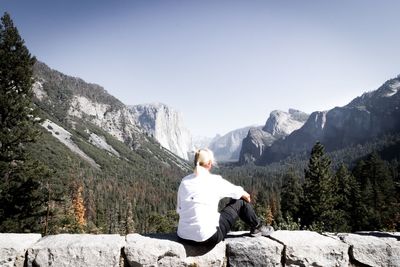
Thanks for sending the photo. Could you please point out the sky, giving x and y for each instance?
(222, 64)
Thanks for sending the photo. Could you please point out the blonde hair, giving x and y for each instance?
(203, 157)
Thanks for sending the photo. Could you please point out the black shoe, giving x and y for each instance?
(262, 230)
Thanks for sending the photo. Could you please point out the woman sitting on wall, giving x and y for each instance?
(198, 197)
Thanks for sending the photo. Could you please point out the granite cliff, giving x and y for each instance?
(165, 125)
(278, 125)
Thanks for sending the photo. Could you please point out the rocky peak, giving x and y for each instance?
(389, 89)
(392, 88)
(281, 123)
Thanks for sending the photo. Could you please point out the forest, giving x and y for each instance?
(47, 188)
(325, 195)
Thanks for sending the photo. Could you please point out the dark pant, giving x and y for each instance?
(236, 208)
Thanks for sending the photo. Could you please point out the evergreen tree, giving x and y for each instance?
(291, 195)
(317, 205)
(358, 213)
(22, 204)
(344, 186)
(17, 115)
(22, 199)
(377, 193)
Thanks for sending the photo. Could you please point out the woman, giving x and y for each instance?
(198, 197)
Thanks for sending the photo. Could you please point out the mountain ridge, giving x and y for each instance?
(93, 103)
(366, 117)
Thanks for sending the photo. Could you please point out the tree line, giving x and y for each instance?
(364, 198)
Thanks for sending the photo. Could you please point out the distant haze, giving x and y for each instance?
(222, 64)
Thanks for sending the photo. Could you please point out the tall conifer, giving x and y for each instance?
(291, 196)
(16, 109)
(377, 192)
(344, 186)
(21, 195)
(317, 202)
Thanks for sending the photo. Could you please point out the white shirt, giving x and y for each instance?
(198, 198)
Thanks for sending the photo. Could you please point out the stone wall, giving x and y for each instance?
(282, 248)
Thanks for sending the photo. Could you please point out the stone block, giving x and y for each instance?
(13, 248)
(305, 248)
(166, 250)
(76, 250)
(243, 250)
(374, 248)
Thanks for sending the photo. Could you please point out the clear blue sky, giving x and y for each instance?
(222, 64)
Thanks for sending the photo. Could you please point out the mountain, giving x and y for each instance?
(91, 102)
(228, 146)
(91, 139)
(71, 104)
(278, 125)
(165, 125)
(366, 117)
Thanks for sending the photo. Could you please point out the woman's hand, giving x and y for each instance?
(246, 197)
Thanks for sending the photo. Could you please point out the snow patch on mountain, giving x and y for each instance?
(100, 142)
(65, 137)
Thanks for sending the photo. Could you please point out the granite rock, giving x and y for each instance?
(305, 248)
(13, 248)
(166, 250)
(76, 250)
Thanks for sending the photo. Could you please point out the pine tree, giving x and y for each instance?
(17, 116)
(344, 185)
(22, 196)
(317, 203)
(377, 193)
(358, 209)
(291, 195)
(22, 204)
